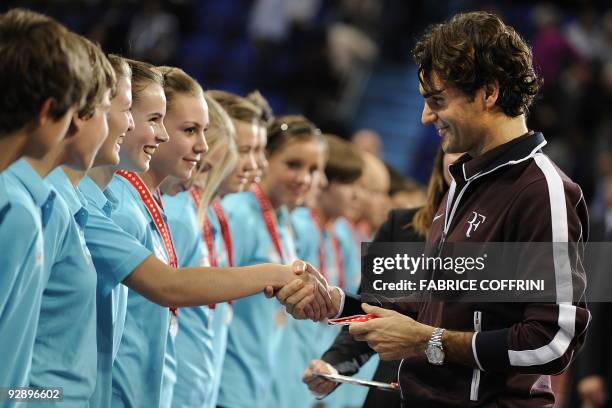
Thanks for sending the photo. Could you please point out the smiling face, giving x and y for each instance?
(260, 154)
(198, 180)
(319, 184)
(120, 121)
(457, 117)
(81, 148)
(246, 142)
(149, 132)
(291, 171)
(358, 205)
(186, 122)
(336, 199)
(213, 158)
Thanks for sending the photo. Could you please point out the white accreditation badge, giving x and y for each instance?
(174, 325)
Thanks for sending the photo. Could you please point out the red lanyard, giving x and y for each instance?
(208, 235)
(269, 218)
(155, 208)
(336, 247)
(225, 230)
(339, 260)
(206, 229)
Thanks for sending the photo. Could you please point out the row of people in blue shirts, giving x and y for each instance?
(128, 191)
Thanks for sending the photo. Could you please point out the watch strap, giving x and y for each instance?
(436, 337)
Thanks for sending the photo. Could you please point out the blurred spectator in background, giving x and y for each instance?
(272, 20)
(367, 140)
(374, 186)
(153, 34)
(552, 52)
(586, 35)
(404, 192)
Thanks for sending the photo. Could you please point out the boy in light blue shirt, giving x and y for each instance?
(30, 203)
(64, 350)
(65, 345)
(43, 77)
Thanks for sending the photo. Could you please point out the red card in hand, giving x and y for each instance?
(343, 321)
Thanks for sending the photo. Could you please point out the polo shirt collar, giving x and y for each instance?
(41, 193)
(516, 150)
(73, 198)
(102, 200)
(4, 196)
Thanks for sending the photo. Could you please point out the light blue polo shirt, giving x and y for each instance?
(65, 346)
(115, 255)
(289, 390)
(26, 205)
(222, 315)
(194, 352)
(138, 367)
(351, 252)
(254, 348)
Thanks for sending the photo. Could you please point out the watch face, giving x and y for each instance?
(435, 355)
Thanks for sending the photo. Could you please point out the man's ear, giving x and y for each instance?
(491, 93)
(45, 114)
(76, 123)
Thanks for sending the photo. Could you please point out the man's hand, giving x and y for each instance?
(299, 300)
(392, 335)
(307, 296)
(592, 391)
(319, 386)
(299, 304)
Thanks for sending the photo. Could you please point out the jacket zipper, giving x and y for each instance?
(476, 372)
(450, 211)
(399, 370)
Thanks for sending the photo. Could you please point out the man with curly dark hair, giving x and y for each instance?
(475, 69)
(477, 79)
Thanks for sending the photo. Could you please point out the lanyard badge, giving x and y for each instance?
(155, 208)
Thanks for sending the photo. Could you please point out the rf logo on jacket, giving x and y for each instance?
(474, 223)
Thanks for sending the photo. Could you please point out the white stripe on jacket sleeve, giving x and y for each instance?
(563, 275)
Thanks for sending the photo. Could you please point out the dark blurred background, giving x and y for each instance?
(346, 64)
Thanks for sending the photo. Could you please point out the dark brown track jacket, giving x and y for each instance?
(519, 195)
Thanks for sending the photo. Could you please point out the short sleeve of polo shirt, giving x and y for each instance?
(20, 292)
(125, 213)
(20, 250)
(115, 253)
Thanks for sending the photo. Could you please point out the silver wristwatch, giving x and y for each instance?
(435, 350)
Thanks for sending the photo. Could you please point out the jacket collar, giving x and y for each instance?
(515, 151)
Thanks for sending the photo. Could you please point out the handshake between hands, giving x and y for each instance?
(309, 295)
(392, 335)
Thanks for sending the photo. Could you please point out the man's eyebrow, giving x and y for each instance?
(433, 93)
